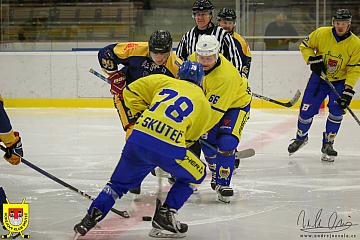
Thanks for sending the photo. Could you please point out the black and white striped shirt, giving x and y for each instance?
(228, 48)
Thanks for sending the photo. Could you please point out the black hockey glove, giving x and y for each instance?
(345, 98)
(317, 65)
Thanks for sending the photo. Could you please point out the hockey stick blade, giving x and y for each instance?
(246, 153)
(295, 98)
(287, 104)
(123, 214)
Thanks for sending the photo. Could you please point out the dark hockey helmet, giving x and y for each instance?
(192, 72)
(342, 14)
(227, 14)
(202, 5)
(160, 41)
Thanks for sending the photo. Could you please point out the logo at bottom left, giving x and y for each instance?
(15, 218)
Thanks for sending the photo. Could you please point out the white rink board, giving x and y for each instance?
(65, 75)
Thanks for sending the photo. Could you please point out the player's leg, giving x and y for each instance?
(230, 129)
(225, 166)
(188, 172)
(244, 116)
(210, 153)
(196, 149)
(129, 173)
(129, 129)
(333, 123)
(314, 95)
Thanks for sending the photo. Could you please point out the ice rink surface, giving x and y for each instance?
(275, 195)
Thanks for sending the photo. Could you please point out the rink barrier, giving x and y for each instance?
(108, 103)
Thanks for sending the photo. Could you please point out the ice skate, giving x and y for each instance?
(296, 145)
(328, 153)
(165, 224)
(88, 222)
(224, 193)
(136, 190)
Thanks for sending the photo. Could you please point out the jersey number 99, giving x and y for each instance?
(181, 108)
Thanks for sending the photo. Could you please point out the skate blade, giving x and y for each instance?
(223, 199)
(160, 233)
(77, 235)
(327, 158)
(302, 145)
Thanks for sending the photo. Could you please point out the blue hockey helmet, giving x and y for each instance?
(192, 72)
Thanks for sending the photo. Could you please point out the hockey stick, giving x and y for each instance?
(123, 214)
(99, 75)
(246, 153)
(287, 104)
(323, 77)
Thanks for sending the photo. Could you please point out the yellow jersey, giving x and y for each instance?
(224, 88)
(174, 111)
(341, 56)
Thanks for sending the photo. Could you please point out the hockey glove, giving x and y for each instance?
(118, 83)
(345, 98)
(317, 65)
(14, 151)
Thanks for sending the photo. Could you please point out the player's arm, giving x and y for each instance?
(245, 54)
(107, 59)
(10, 138)
(308, 46)
(230, 51)
(353, 74)
(353, 69)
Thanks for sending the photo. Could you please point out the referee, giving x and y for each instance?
(202, 12)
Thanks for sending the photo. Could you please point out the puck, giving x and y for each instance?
(146, 218)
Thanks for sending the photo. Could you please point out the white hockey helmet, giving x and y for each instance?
(207, 45)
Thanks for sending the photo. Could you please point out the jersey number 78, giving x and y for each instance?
(181, 108)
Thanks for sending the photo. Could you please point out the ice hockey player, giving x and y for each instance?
(230, 96)
(227, 20)
(13, 145)
(172, 112)
(334, 52)
(138, 59)
(202, 12)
